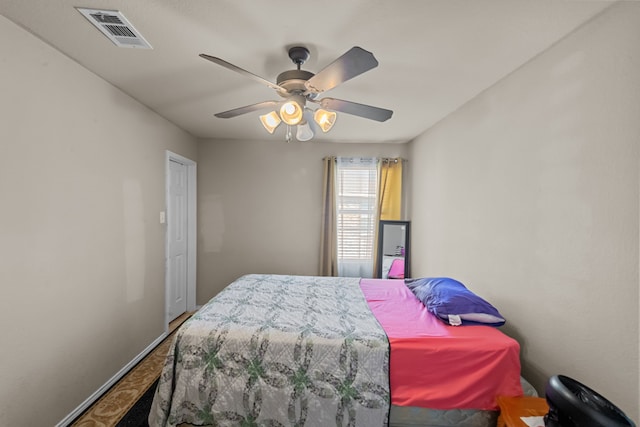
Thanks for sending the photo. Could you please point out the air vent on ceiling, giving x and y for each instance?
(114, 25)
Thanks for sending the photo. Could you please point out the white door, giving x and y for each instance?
(177, 232)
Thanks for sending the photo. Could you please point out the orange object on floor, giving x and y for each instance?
(512, 408)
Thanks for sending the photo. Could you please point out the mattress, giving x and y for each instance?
(412, 416)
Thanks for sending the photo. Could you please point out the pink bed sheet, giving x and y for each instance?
(434, 365)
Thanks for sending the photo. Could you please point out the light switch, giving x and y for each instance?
(163, 217)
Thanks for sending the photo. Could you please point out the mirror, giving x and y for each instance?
(393, 250)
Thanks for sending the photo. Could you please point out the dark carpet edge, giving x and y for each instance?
(139, 413)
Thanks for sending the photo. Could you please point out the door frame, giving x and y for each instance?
(191, 232)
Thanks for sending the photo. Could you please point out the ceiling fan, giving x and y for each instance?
(299, 87)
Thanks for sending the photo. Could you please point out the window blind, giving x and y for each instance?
(356, 189)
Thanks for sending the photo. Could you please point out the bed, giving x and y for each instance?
(302, 350)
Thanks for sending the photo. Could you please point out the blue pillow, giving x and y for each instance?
(453, 303)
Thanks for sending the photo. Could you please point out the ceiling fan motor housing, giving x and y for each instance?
(293, 80)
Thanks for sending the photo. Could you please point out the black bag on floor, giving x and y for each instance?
(572, 404)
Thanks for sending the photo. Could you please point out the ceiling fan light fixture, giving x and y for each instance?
(325, 119)
(304, 132)
(270, 121)
(291, 111)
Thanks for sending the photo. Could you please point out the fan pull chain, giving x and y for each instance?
(288, 135)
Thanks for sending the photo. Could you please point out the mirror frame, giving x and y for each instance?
(407, 246)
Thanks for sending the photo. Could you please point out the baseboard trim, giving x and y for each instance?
(106, 386)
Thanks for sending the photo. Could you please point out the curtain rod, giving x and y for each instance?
(383, 159)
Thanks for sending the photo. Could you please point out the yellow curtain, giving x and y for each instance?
(390, 189)
(329, 236)
(389, 199)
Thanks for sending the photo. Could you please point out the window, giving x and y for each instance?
(356, 208)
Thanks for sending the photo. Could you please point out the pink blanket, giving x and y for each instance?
(438, 366)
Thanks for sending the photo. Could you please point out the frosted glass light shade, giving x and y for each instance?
(270, 121)
(304, 132)
(325, 119)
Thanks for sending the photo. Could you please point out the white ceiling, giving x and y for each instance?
(434, 55)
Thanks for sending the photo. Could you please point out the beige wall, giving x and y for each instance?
(81, 250)
(259, 206)
(529, 194)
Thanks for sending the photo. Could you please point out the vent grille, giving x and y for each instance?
(119, 31)
(106, 19)
(116, 27)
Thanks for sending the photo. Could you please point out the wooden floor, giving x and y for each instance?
(115, 403)
(180, 320)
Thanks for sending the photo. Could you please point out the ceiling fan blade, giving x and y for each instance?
(351, 64)
(244, 72)
(361, 110)
(246, 109)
